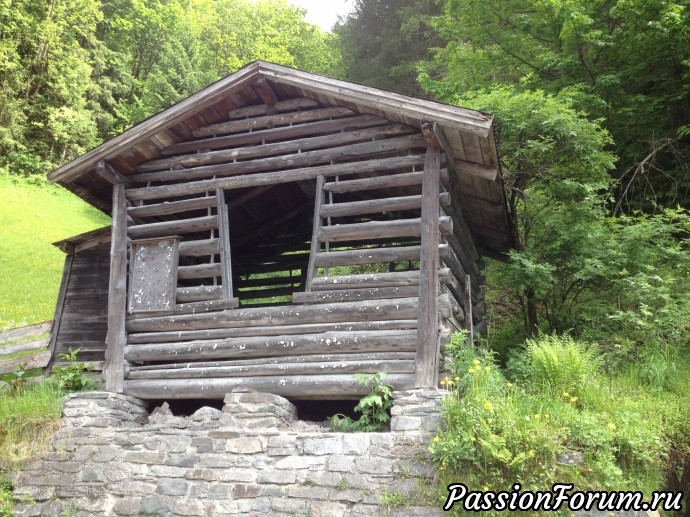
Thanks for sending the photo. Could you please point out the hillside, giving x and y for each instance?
(34, 214)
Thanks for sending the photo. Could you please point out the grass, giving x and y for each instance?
(34, 214)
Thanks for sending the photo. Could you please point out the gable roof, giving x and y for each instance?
(467, 137)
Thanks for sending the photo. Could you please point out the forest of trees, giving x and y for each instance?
(591, 97)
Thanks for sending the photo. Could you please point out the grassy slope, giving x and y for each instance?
(32, 216)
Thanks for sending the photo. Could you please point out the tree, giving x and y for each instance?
(622, 61)
(383, 41)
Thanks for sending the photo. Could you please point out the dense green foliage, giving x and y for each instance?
(525, 428)
(76, 72)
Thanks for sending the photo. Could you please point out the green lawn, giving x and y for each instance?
(32, 216)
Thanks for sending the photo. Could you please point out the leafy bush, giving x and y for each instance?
(500, 431)
(560, 364)
(373, 407)
(72, 377)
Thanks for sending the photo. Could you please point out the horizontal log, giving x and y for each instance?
(189, 308)
(299, 359)
(274, 178)
(23, 347)
(337, 152)
(39, 360)
(198, 293)
(280, 133)
(199, 248)
(196, 224)
(371, 255)
(377, 206)
(265, 150)
(237, 126)
(319, 387)
(198, 271)
(347, 295)
(257, 110)
(285, 367)
(276, 346)
(370, 310)
(271, 330)
(31, 330)
(475, 169)
(379, 182)
(380, 230)
(374, 280)
(172, 207)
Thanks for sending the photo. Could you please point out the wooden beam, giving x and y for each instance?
(372, 255)
(257, 110)
(377, 206)
(270, 121)
(224, 238)
(265, 150)
(467, 306)
(199, 271)
(199, 248)
(192, 225)
(270, 330)
(276, 346)
(348, 295)
(319, 387)
(375, 280)
(370, 310)
(320, 127)
(426, 369)
(59, 308)
(172, 207)
(188, 308)
(296, 159)
(109, 174)
(117, 295)
(339, 363)
(475, 169)
(381, 229)
(265, 92)
(316, 229)
(198, 293)
(274, 178)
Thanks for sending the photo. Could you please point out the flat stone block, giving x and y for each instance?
(327, 509)
(322, 445)
(245, 445)
(274, 477)
(243, 491)
(300, 462)
(307, 492)
(178, 487)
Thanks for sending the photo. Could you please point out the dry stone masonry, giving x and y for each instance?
(111, 458)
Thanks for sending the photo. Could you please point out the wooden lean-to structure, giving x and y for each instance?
(281, 231)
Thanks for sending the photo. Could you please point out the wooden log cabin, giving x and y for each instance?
(281, 231)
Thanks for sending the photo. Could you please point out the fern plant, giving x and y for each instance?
(559, 363)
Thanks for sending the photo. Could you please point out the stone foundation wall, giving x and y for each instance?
(111, 458)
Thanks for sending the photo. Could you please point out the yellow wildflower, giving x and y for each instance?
(487, 368)
(436, 439)
(611, 426)
(476, 362)
(488, 406)
(509, 384)
(486, 488)
(457, 379)
(537, 416)
(450, 383)
(573, 399)
(565, 436)
(530, 453)
(443, 383)
(471, 370)
(566, 394)
(473, 439)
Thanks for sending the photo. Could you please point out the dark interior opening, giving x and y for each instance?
(185, 407)
(321, 410)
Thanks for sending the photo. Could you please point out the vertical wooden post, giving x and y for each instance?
(117, 295)
(427, 327)
(467, 299)
(316, 228)
(224, 235)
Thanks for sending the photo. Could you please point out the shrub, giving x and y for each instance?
(373, 407)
